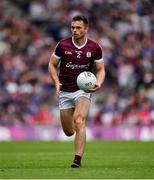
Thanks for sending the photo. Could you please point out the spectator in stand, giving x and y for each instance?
(44, 116)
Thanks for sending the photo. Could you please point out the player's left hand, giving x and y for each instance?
(96, 87)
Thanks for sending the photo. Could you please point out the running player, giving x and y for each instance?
(75, 55)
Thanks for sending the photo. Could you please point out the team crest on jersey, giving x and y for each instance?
(88, 54)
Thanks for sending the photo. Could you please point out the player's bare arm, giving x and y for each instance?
(53, 63)
(100, 73)
(100, 76)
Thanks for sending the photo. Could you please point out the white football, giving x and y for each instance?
(86, 80)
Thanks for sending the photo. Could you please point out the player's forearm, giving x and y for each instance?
(100, 76)
(53, 73)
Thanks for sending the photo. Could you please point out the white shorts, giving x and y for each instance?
(67, 99)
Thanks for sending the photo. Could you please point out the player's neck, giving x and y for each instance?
(80, 42)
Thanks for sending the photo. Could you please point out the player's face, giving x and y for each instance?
(78, 29)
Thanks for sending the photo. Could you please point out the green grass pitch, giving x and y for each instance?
(51, 160)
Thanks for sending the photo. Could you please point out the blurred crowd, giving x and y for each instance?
(29, 31)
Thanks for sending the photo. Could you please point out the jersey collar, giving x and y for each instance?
(79, 47)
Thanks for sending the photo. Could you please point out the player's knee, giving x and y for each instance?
(78, 118)
(78, 122)
(68, 133)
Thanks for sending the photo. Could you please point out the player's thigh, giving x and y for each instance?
(82, 106)
(66, 116)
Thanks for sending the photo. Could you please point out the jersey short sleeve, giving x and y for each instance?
(57, 51)
(98, 54)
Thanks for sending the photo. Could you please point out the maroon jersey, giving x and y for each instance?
(74, 60)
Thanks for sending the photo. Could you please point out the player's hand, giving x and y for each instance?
(58, 86)
(94, 89)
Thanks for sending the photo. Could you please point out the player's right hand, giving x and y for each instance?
(58, 86)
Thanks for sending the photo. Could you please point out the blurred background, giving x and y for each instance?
(29, 31)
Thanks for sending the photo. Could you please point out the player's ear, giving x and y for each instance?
(86, 28)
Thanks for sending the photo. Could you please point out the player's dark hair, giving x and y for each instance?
(81, 18)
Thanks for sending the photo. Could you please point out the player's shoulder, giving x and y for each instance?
(93, 43)
(65, 41)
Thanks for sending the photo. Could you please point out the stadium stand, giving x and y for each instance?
(29, 30)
